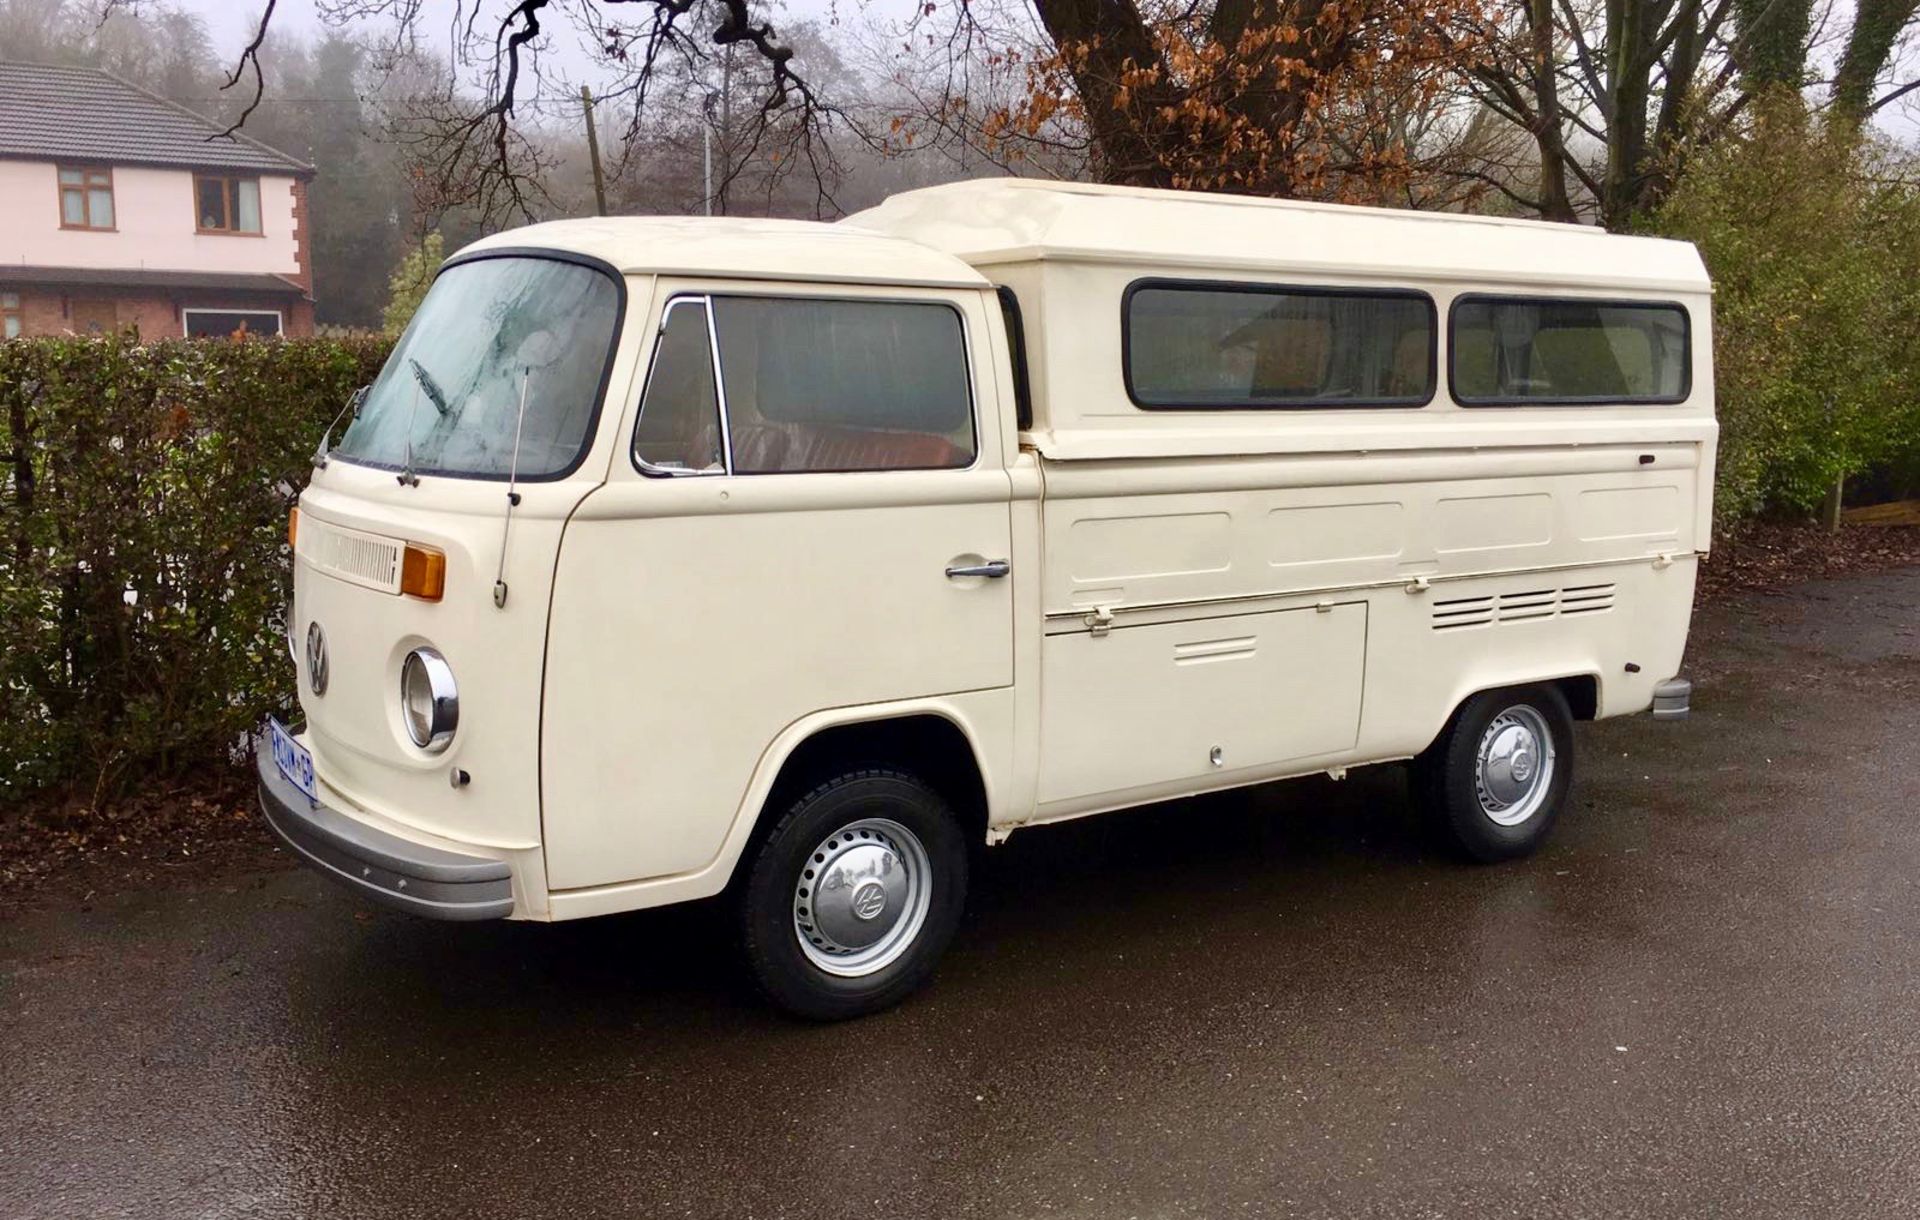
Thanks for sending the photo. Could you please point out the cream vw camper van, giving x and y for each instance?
(673, 557)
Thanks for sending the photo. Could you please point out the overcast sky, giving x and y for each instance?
(233, 24)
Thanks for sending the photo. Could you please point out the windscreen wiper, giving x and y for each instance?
(428, 384)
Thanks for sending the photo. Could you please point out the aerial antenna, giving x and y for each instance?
(513, 496)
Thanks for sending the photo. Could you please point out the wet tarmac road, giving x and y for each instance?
(1699, 1000)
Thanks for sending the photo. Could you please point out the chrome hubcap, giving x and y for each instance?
(862, 897)
(1514, 769)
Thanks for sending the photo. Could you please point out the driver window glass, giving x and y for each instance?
(679, 428)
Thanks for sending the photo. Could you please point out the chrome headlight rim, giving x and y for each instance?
(434, 732)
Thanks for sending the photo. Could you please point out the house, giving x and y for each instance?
(121, 209)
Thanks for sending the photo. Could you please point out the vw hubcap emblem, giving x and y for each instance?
(316, 660)
(869, 900)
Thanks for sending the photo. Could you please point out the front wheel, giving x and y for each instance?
(1496, 778)
(854, 895)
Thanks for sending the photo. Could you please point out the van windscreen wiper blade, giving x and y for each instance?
(428, 384)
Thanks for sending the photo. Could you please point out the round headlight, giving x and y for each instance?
(429, 703)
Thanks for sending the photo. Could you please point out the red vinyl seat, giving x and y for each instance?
(783, 448)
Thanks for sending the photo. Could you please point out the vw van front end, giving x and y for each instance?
(423, 564)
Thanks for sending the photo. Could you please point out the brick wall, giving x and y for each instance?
(52, 311)
(302, 238)
(299, 319)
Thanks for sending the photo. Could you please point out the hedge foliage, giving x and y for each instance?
(143, 557)
(1811, 232)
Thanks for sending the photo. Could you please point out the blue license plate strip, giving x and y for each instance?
(294, 760)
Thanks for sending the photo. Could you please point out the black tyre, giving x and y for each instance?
(1495, 779)
(854, 895)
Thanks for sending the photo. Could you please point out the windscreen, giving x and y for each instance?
(489, 334)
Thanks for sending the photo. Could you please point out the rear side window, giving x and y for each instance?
(1237, 346)
(817, 385)
(1511, 351)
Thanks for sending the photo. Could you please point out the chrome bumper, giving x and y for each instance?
(388, 869)
(1672, 699)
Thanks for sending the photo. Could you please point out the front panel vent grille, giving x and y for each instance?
(351, 555)
(1520, 606)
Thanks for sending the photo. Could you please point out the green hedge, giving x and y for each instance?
(143, 558)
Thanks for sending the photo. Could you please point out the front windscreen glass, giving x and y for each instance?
(492, 333)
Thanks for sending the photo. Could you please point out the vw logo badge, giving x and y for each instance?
(869, 900)
(316, 660)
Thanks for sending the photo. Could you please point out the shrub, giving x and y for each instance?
(1811, 234)
(143, 558)
(408, 284)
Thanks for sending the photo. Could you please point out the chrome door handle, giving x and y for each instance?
(992, 567)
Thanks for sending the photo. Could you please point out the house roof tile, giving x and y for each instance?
(50, 112)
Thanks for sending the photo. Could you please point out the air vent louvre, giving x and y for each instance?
(1462, 612)
(1521, 605)
(356, 557)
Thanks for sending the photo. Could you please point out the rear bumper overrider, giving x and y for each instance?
(1672, 699)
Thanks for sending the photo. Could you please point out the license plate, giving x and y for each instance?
(294, 760)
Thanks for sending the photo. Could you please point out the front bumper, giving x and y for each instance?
(390, 870)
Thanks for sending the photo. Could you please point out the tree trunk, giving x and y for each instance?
(1628, 68)
(1102, 40)
(1770, 43)
(1554, 202)
(1876, 27)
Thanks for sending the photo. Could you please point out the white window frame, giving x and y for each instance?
(279, 317)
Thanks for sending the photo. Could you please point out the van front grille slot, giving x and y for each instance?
(351, 555)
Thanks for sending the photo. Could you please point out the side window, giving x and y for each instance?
(679, 428)
(817, 385)
(1510, 351)
(1017, 352)
(1239, 346)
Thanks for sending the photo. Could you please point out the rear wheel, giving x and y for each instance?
(1497, 777)
(854, 895)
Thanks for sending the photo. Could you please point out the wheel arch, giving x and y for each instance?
(1580, 688)
(934, 741)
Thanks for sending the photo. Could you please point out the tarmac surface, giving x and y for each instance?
(1700, 999)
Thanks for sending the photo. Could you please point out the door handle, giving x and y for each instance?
(993, 568)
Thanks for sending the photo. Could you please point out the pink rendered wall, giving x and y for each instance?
(154, 219)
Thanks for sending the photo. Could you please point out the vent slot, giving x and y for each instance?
(1586, 599)
(1462, 612)
(1521, 606)
(1536, 603)
(350, 555)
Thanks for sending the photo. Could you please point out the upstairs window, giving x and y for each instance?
(225, 204)
(1232, 346)
(86, 197)
(1519, 351)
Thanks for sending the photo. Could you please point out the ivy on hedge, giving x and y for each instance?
(143, 559)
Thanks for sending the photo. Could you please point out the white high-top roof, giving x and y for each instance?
(938, 235)
(748, 249)
(995, 221)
